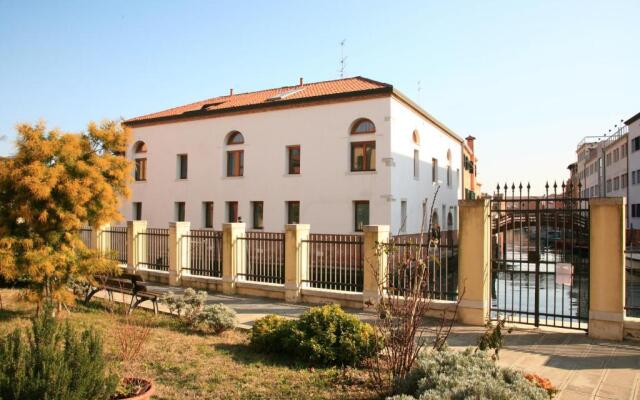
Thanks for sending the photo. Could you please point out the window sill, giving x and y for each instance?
(290, 175)
(361, 172)
(233, 177)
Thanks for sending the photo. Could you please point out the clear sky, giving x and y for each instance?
(529, 79)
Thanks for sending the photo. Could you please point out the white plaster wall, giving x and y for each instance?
(434, 143)
(326, 188)
(634, 165)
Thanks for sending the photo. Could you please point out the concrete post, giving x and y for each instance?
(100, 238)
(233, 255)
(606, 269)
(136, 245)
(474, 261)
(179, 251)
(296, 262)
(375, 265)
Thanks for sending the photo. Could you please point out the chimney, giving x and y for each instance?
(470, 139)
(231, 92)
(301, 81)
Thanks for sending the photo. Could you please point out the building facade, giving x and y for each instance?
(337, 155)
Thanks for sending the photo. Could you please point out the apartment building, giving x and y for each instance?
(633, 194)
(337, 155)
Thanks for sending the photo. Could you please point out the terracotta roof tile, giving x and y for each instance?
(307, 90)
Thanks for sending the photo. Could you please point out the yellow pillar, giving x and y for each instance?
(474, 261)
(606, 268)
(375, 265)
(233, 255)
(136, 245)
(296, 262)
(179, 251)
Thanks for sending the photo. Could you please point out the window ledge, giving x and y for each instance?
(291, 175)
(233, 177)
(361, 172)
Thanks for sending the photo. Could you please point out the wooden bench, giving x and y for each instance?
(130, 284)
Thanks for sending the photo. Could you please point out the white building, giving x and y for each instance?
(337, 155)
(633, 201)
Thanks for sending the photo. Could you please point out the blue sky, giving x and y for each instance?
(528, 79)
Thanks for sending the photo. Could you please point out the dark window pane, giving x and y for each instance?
(293, 212)
(294, 160)
(232, 211)
(361, 214)
(257, 214)
(208, 214)
(180, 208)
(183, 166)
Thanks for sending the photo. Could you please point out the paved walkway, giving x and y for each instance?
(582, 368)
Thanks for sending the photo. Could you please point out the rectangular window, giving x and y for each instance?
(182, 166)
(609, 187)
(257, 210)
(616, 183)
(293, 155)
(635, 144)
(207, 210)
(623, 180)
(363, 156)
(633, 177)
(141, 169)
(180, 211)
(361, 213)
(625, 150)
(608, 159)
(293, 212)
(403, 216)
(235, 163)
(434, 170)
(232, 211)
(137, 211)
(416, 163)
(616, 155)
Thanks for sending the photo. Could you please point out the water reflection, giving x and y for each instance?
(563, 286)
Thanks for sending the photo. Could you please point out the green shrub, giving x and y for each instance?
(447, 374)
(273, 333)
(324, 335)
(53, 361)
(217, 318)
(187, 307)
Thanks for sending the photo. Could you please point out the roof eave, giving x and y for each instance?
(632, 119)
(204, 113)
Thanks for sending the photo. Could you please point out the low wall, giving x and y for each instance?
(632, 328)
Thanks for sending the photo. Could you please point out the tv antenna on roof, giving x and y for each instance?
(343, 59)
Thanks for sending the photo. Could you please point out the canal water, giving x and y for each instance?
(564, 283)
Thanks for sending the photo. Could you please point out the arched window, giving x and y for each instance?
(235, 158)
(140, 172)
(140, 147)
(416, 137)
(235, 137)
(363, 153)
(449, 155)
(363, 125)
(449, 221)
(449, 178)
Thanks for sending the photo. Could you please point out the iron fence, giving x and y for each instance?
(117, 240)
(540, 256)
(205, 248)
(632, 270)
(407, 254)
(264, 257)
(156, 251)
(335, 262)
(85, 236)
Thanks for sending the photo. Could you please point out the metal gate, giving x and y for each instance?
(540, 256)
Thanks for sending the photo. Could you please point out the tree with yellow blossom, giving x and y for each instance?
(55, 183)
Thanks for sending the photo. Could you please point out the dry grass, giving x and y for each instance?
(188, 365)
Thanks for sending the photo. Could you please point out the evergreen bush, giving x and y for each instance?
(217, 318)
(53, 361)
(324, 335)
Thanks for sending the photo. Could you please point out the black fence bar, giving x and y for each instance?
(157, 249)
(335, 262)
(205, 248)
(117, 241)
(540, 256)
(407, 253)
(264, 256)
(85, 236)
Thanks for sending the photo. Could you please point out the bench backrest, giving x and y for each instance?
(126, 281)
